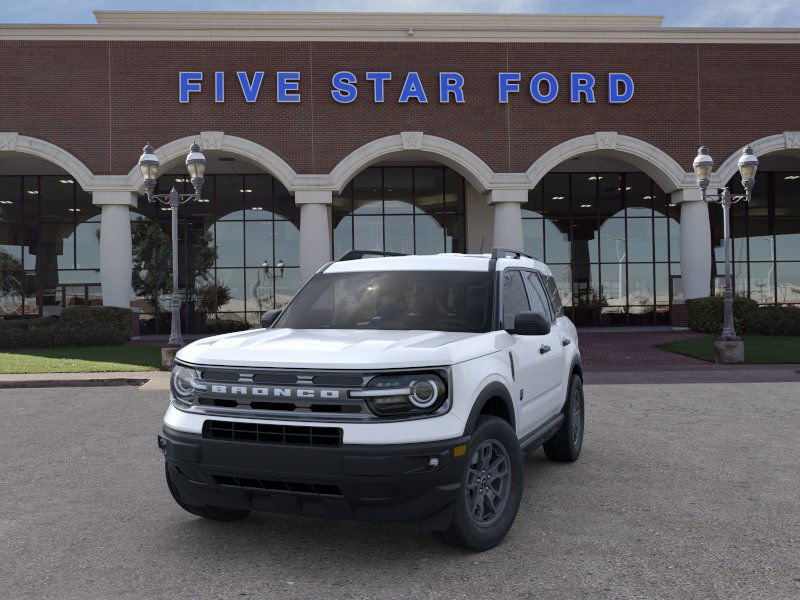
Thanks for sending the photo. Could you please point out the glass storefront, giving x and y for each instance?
(611, 239)
(411, 210)
(238, 253)
(766, 240)
(49, 246)
(612, 242)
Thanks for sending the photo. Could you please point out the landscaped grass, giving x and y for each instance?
(758, 349)
(91, 359)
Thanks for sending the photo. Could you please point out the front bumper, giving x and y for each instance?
(401, 483)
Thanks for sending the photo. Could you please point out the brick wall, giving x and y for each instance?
(102, 101)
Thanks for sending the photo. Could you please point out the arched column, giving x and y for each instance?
(315, 230)
(507, 205)
(414, 143)
(656, 163)
(787, 142)
(116, 253)
(211, 141)
(695, 243)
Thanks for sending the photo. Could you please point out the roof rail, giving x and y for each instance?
(357, 254)
(504, 252)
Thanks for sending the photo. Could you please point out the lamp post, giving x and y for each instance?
(196, 165)
(703, 165)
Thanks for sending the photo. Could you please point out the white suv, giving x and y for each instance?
(392, 388)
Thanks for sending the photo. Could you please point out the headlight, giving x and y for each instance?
(406, 394)
(184, 382)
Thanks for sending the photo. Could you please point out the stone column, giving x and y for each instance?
(116, 255)
(315, 230)
(695, 243)
(507, 205)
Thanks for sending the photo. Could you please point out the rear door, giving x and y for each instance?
(531, 355)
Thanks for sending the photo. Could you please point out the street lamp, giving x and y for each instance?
(703, 165)
(196, 165)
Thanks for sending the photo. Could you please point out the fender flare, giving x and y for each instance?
(494, 389)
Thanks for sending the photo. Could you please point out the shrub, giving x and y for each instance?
(706, 315)
(225, 326)
(77, 326)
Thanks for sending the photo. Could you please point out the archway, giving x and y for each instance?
(609, 232)
(407, 193)
(238, 245)
(49, 230)
(765, 231)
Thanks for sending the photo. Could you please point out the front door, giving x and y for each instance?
(537, 358)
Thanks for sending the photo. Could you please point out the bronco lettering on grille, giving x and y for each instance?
(276, 392)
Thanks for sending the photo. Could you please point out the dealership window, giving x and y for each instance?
(49, 246)
(238, 253)
(611, 240)
(412, 210)
(766, 240)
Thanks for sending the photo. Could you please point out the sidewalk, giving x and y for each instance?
(148, 380)
(618, 357)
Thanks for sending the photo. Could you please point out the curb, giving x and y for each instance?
(55, 383)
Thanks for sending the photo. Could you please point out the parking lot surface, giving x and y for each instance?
(682, 491)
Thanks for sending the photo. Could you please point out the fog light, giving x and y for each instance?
(433, 462)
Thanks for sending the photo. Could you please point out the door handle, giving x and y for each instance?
(544, 349)
(566, 342)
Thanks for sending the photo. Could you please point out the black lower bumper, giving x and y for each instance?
(407, 483)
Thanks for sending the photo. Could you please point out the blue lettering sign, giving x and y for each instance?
(536, 88)
(188, 81)
(219, 86)
(615, 80)
(344, 90)
(506, 84)
(250, 89)
(412, 88)
(378, 78)
(451, 83)
(288, 86)
(581, 83)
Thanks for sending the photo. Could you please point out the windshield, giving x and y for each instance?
(434, 300)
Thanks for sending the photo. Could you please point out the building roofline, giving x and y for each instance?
(387, 27)
(344, 19)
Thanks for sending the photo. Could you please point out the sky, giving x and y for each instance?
(678, 13)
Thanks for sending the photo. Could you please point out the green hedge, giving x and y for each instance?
(77, 326)
(706, 314)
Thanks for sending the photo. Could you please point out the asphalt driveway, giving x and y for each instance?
(683, 491)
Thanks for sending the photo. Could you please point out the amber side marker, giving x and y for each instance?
(460, 450)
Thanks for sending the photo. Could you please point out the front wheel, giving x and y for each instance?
(491, 488)
(566, 444)
(215, 513)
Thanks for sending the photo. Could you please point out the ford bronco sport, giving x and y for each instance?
(391, 388)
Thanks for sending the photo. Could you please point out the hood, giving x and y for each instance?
(338, 348)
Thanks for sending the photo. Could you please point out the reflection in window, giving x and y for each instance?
(612, 241)
(238, 254)
(49, 245)
(411, 210)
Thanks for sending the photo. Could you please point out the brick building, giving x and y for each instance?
(570, 136)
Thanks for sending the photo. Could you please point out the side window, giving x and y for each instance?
(539, 301)
(555, 297)
(515, 298)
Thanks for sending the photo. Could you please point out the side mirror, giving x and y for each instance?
(269, 317)
(531, 323)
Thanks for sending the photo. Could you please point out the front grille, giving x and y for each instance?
(291, 487)
(273, 434)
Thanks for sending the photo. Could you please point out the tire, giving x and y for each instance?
(566, 444)
(480, 520)
(215, 513)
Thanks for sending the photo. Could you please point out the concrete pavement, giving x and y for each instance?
(683, 491)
